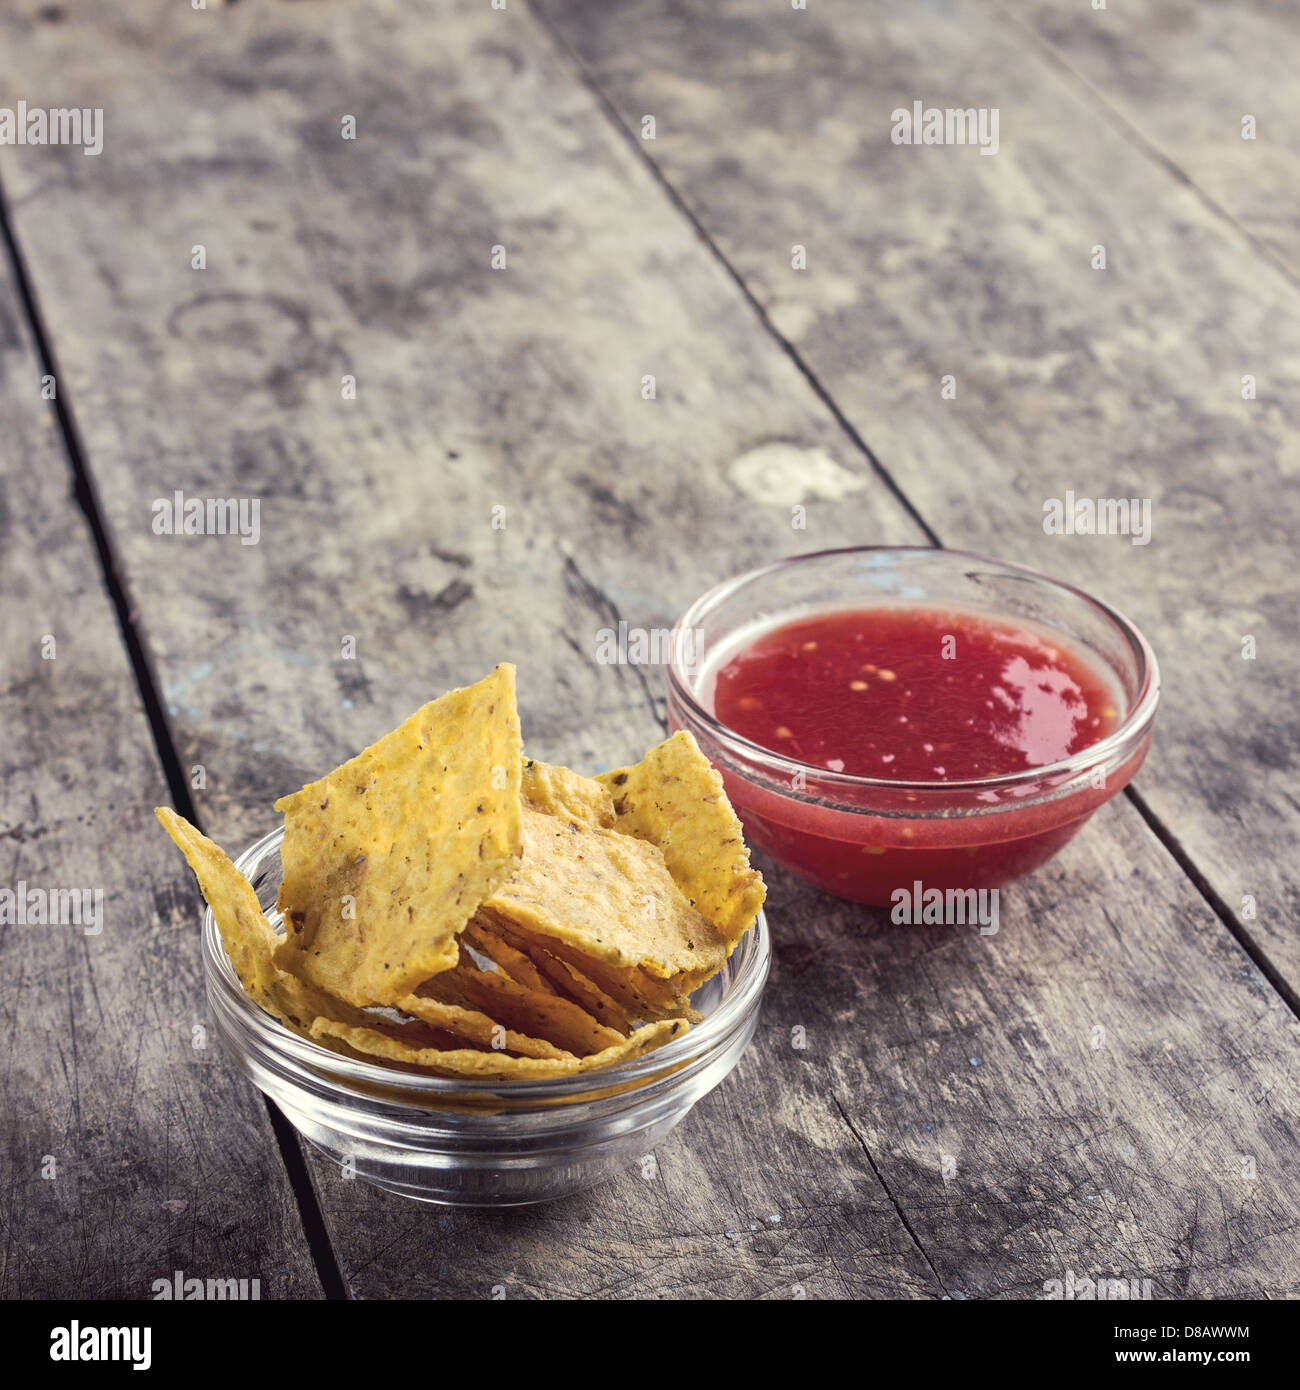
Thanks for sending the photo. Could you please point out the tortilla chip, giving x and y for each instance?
(249, 939)
(386, 859)
(469, 1025)
(450, 1061)
(528, 1011)
(640, 995)
(608, 894)
(674, 799)
(496, 1065)
(642, 1041)
(560, 1021)
(559, 791)
(573, 984)
(558, 976)
(483, 938)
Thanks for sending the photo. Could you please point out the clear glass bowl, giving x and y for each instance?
(466, 1142)
(863, 838)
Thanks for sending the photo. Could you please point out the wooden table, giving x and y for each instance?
(1109, 1085)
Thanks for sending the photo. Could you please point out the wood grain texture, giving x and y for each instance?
(927, 261)
(129, 1151)
(814, 1169)
(1184, 76)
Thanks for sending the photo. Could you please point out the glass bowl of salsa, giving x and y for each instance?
(885, 717)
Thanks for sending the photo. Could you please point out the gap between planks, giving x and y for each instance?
(1139, 139)
(85, 494)
(570, 56)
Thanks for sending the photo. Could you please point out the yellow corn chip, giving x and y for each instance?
(386, 859)
(249, 939)
(453, 1061)
(559, 791)
(642, 1041)
(558, 976)
(496, 1065)
(640, 995)
(482, 937)
(674, 799)
(608, 894)
(527, 1011)
(475, 1027)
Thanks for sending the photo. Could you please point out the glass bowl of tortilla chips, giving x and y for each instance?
(474, 977)
(465, 1141)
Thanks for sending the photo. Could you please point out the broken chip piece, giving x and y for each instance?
(248, 937)
(607, 894)
(674, 799)
(388, 857)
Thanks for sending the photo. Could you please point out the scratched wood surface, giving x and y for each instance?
(1238, 140)
(1099, 1072)
(130, 1148)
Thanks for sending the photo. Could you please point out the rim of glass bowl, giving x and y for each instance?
(750, 963)
(1119, 743)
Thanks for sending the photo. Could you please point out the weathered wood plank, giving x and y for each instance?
(521, 388)
(1093, 1122)
(130, 1150)
(1211, 87)
(932, 261)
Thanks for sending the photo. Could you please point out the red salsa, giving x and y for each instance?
(911, 694)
